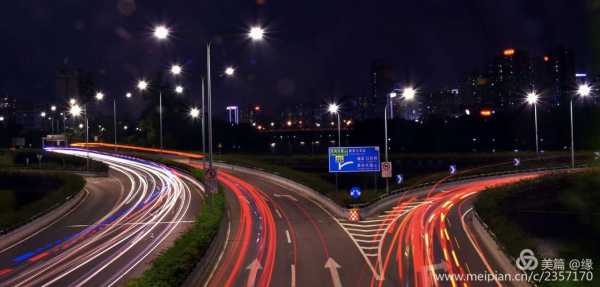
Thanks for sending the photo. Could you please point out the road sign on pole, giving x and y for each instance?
(516, 161)
(355, 192)
(399, 179)
(386, 169)
(354, 159)
(453, 169)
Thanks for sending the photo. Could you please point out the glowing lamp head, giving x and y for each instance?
(53, 108)
(179, 89)
(99, 96)
(161, 32)
(532, 98)
(409, 93)
(176, 70)
(230, 71)
(256, 33)
(194, 113)
(333, 108)
(128, 95)
(142, 85)
(72, 101)
(584, 90)
(75, 110)
(393, 95)
(43, 114)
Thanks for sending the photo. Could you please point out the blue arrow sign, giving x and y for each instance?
(453, 169)
(516, 162)
(354, 159)
(355, 192)
(399, 179)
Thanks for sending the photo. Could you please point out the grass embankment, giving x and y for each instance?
(173, 266)
(556, 216)
(311, 170)
(49, 161)
(28, 194)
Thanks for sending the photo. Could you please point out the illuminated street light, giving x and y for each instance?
(179, 89)
(333, 108)
(1, 118)
(230, 71)
(256, 33)
(142, 85)
(75, 110)
(393, 95)
(194, 113)
(584, 90)
(176, 70)
(99, 96)
(72, 101)
(532, 99)
(161, 32)
(128, 95)
(43, 114)
(53, 108)
(409, 93)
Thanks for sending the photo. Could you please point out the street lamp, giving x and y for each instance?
(43, 114)
(255, 34)
(142, 85)
(72, 101)
(53, 108)
(176, 70)
(230, 71)
(99, 96)
(161, 32)
(194, 113)
(128, 95)
(334, 108)
(408, 94)
(532, 99)
(584, 90)
(179, 89)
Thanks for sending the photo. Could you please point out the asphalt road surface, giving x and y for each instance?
(122, 223)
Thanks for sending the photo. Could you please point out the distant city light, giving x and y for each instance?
(80, 126)
(128, 95)
(161, 32)
(584, 90)
(289, 123)
(43, 114)
(99, 96)
(72, 101)
(509, 52)
(257, 108)
(546, 58)
(486, 113)
(393, 95)
(125, 127)
(1, 118)
(467, 112)
(580, 75)
(229, 71)
(53, 108)
(272, 124)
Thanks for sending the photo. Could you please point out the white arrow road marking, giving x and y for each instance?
(285, 195)
(341, 165)
(287, 235)
(253, 267)
(333, 270)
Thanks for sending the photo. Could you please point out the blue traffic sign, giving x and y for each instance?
(355, 192)
(453, 169)
(399, 179)
(354, 159)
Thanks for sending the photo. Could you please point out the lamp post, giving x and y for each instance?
(408, 94)
(256, 33)
(532, 99)
(75, 110)
(583, 91)
(334, 108)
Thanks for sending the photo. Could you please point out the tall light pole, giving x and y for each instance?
(532, 99)
(75, 110)
(334, 108)
(583, 91)
(255, 34)
(161, 33)
(408, 94)
(203, 120)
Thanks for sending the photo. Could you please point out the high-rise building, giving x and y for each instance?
(67, 83)
(233, 115)
(382, 81)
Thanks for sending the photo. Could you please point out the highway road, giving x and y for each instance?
(122, 223)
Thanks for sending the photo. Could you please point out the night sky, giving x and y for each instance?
(315, 50)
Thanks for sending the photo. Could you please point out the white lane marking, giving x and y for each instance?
(287, 235)
(278, 213)
(133, 223)
(293, 267)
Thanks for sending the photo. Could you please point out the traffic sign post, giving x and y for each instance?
(386, 169)
(355, 192)
(354, 159)
(399, 179)
(452, 169)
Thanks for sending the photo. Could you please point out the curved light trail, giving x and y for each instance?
(157, 203)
